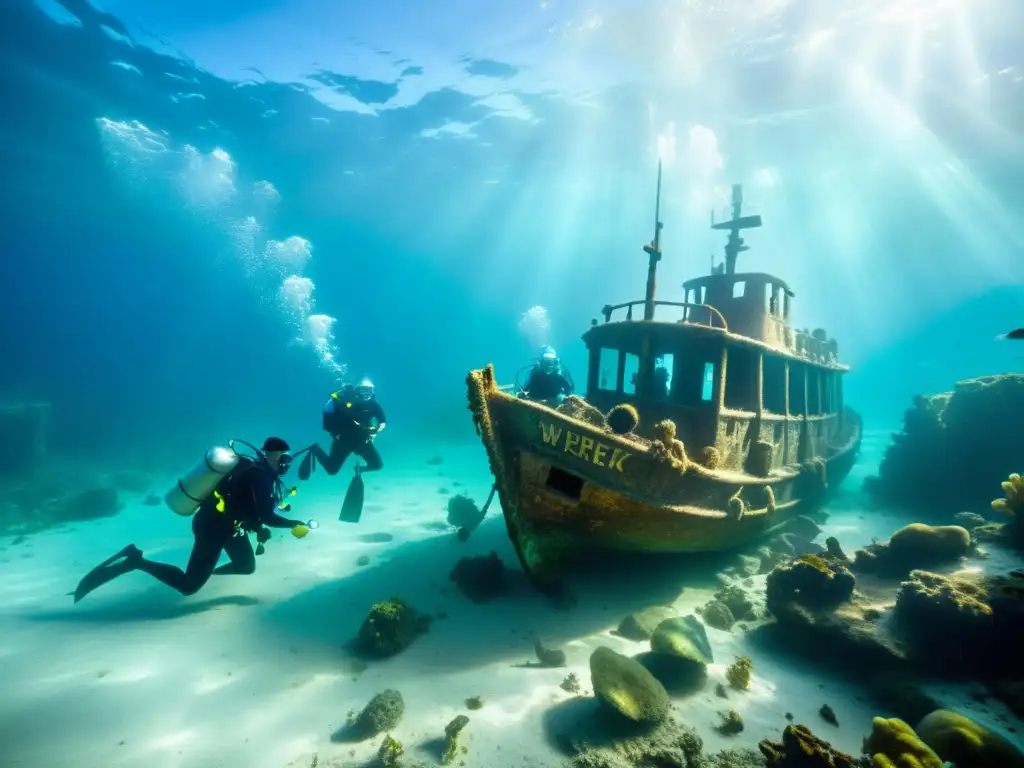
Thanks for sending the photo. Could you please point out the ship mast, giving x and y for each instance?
(653, 251)
(735, 245)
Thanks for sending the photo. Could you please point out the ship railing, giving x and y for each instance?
(697, 314)
(812, 347)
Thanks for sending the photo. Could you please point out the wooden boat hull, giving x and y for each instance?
(567, 486)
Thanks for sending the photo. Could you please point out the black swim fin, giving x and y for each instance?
(352, 507)
(108, 570)
(306, 467)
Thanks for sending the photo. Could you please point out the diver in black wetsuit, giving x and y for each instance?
(245, 501)
(548, 379)
(348, 418)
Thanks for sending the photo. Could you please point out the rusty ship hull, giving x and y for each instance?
(569, 487)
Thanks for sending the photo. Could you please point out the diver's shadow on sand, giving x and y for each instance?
(143, 609)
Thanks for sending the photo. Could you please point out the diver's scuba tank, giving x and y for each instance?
(195, 487)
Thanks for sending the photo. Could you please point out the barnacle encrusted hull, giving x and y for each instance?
(568, 485)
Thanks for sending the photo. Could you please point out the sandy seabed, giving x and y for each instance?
(253, 671)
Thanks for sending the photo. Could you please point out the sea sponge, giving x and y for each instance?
(959, 740)
(738, 673)
(893, 744)
(1013, 503)
(622, 419)
(383, 713)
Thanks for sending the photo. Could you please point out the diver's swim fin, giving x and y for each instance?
(352, 507)
(306, 467)
(108, 570)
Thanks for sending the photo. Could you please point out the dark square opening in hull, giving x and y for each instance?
(565, 483)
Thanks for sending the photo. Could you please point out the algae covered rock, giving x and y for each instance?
(684, 637)
(810, 582)
(600, 744)
(718, 615)
(382, 714)
(930, 606)
(641, 624)
(451, 739)
(390, 752)
(737, 601)
(893, 744)
(961, 741)
(390, 627)
(627, 687)
(800, 748)
(738, 673)
(914, 547)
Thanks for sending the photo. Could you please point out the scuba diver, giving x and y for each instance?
(548, 379)
(235, 495)
(348, 417)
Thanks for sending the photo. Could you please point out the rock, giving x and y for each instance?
(834, 551)
(362, 561)
(803, 527)
(717, 615)
(828, 715)
(955, 448)
(641, 625)
(383, 713)
(748, 566)
(896, 741)
(731, 723)
(929, 605)
(549, 657)
(391, 627)
(668, 745)
(451, 738)
(800, 748)
(738, 673)
(626, 686)
(683, 637)
(959, 740)
(480, 578)
(810, 582)
(737, 601)
(969, 520)
(915, 546)
(390, 752)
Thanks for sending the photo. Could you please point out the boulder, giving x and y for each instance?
(627, 687)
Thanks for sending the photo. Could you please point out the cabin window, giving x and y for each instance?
(769, 299)
(826, 392)
(785, 305)
(631, 372)
(775, 384)
(608, 369)
(664, 372)
(739, 289)
(796, 389)
(741, 380)
(813, 392)
(708, 385)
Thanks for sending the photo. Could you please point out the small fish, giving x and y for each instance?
(1017, 334)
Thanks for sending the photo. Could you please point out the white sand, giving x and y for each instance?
(251, 671)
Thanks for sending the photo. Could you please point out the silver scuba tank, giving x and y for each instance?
(195, 487)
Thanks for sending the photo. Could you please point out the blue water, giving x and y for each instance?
(212, 212)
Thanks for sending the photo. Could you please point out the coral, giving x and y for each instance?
(383, 713)
(717, 615)
(893, 744)
(451, 738)
(480, 578)
(711, 457)
(627, 687)
(641, 624)
(738, 673)
(571, 683)
(1013, 502)
(811, 582)
(731, 723)
(549, 657)
(390, 751)
(954, 448)
(390, 627)
(575, 407)
(800, 748)
(622, 419)
(959, 740)
(474, 702)
(463, 512)
(914, 547)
